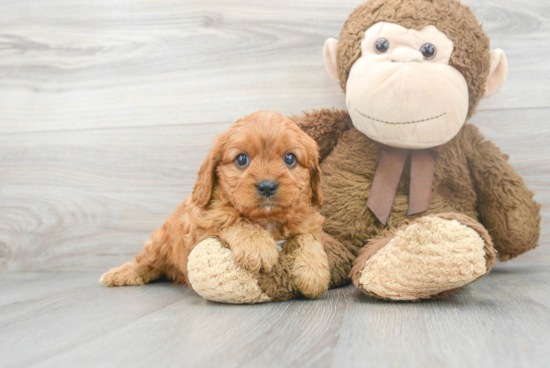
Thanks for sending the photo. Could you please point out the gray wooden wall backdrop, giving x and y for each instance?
(107, 108)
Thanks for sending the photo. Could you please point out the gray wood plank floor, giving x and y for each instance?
(68, 320)
(107, 110)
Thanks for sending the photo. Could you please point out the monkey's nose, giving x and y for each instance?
(401, 55)
(266, 188)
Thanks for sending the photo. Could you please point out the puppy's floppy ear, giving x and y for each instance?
(202, 192)
(314, 170)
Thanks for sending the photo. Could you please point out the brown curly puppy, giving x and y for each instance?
(259, 185)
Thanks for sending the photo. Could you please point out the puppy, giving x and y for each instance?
(259, 186)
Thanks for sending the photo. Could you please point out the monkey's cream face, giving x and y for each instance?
(402, 92)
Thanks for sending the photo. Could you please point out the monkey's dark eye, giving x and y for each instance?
(382, 45)
(290, 160)
(242, 160)
(428, 51)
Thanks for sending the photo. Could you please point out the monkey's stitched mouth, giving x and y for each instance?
(400, 123)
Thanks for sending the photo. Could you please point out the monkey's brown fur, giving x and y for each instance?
(472, 177)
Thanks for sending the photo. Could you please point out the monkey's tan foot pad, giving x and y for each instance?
(431, 257)
(214, 275)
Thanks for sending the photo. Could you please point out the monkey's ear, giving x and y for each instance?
(497, 73)
(329, 54)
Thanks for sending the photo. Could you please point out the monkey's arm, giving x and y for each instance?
(325, 126)
(506, 206)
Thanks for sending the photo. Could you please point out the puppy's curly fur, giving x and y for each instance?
(226, 204)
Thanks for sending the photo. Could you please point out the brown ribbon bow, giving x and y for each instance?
(388, 173)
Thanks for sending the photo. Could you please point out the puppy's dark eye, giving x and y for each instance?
(290, 160)
(381, 45)
(242, 160)
(428, 51)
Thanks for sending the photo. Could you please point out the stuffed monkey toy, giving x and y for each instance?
(422, 200)
(421, 197)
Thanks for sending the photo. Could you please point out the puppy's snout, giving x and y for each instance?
(266, 188)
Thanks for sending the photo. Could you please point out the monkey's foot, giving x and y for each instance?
(432, 257)
(214, 275)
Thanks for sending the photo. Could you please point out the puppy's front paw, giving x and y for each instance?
(311, 278)
(308, 265)
(125, 275)
(256, 256)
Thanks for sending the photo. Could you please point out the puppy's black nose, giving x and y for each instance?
(266, 188)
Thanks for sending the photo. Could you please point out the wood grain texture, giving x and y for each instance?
(52, 321)
(68, 64)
